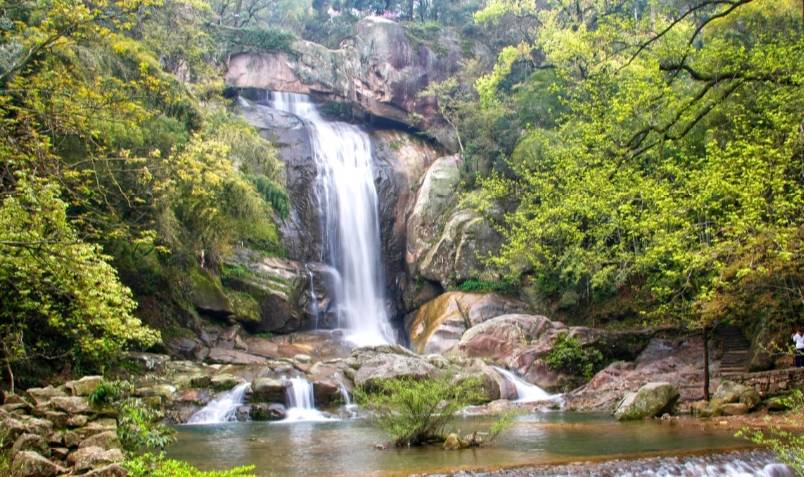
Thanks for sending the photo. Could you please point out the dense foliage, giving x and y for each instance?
(570, 356)
(416, 412)
(649, 155)
(120, 168)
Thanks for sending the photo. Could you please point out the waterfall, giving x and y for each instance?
(525, 392)
(301, 402)
(222, 408)
(347, 202)
(347, 400)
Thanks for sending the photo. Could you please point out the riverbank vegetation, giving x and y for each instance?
(417, 412)
(648, 155)
(121, 168)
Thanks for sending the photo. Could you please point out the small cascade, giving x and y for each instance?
(347, 400)
(301, 402)
(313, 300)
(221, 409)
(525, 391)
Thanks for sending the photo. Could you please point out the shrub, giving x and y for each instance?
(138, 427)
(787, 445)
(569, 355)
(109, 392)
(484, 286)
(150, 465)
(416, 412)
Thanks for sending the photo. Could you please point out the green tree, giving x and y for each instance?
(61, 297)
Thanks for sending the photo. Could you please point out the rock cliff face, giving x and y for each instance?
(446, 243)
(382, 69)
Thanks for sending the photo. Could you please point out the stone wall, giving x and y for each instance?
(769, 383)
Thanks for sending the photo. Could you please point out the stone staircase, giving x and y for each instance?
(735, 350)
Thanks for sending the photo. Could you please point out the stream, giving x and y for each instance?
(348, 447)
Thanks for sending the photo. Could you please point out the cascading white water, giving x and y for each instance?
(222, 408)
(301, 402)
(347, 201)
(347, 400)
(525, 392)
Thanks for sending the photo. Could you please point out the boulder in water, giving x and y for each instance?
(267, 412)
(650, 400)
(268, 390)
(452, 442)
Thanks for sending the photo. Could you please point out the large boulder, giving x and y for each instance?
(31, 464)
(32, 442)
(42, 395)
(650, 400)
(105, 440)
(439, 324)
(523, 342)
(84, 386)
(379, 69)
(88, 458)
(268, 390)
(267, 412)
(71, 405)
(729, 392)
(374, 367)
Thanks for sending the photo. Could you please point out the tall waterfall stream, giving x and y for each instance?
(347, 202)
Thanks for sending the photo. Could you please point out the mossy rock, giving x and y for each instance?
(207, 294)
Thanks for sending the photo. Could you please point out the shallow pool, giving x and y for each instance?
(348, 447)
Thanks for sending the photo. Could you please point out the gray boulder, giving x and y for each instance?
(32, 442)
(71, 404)
(267, 412)
(31, 464)
(84, 386)
(729, 392)
(650, 400)
(104, 440)
(392, 366)
(88, 458)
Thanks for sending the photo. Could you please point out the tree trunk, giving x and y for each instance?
(706, 362)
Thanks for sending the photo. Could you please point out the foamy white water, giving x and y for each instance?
(526, 392)
(301, 402)
(221, 409)
(347, 201)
